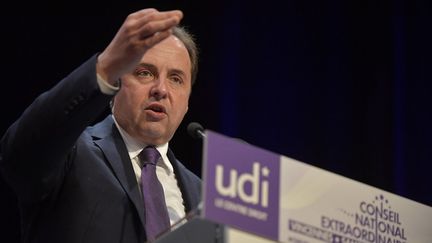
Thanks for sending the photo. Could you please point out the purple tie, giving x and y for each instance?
(156, 214)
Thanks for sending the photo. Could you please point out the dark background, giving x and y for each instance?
(342, 85)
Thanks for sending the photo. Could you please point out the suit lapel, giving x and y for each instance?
(109, 140)
(180, 172)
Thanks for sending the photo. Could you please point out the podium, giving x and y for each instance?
(199, 230)
(195, 230)
(256, 196)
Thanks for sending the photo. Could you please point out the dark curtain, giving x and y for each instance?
(342, 85)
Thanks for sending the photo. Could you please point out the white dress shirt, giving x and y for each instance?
(164, 168)
(164, 172)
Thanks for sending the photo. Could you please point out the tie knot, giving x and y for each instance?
(149, 155)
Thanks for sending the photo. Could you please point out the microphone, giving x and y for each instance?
(195, 130)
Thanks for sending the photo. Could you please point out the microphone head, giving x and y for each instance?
(195, 130)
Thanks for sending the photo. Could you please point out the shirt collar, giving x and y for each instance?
(135, 147)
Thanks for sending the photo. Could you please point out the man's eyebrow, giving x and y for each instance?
(178, 71)
(147, 65)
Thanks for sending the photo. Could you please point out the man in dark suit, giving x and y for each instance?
(77, 183)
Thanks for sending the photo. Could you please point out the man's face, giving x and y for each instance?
(154, 98)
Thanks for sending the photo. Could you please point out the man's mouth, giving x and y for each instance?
(157, 109)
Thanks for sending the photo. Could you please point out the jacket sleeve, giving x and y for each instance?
(36, 147)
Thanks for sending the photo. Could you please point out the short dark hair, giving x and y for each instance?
(189, 41)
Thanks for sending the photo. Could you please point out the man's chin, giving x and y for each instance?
(154, 136)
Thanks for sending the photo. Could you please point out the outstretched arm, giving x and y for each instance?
(36, 147)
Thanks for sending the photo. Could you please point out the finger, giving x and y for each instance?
(153, 14)
(157, 37)
(153, 27)
(142, 13)
(157, 16)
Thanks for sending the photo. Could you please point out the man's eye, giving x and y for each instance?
(144, 74)
(176, 79)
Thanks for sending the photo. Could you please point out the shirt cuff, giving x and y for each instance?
(105, 87)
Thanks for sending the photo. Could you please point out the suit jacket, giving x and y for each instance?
(76, 183)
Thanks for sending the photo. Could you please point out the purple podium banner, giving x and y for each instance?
(281, 199)
(241, 185)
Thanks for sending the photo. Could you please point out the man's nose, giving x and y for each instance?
(159, 88)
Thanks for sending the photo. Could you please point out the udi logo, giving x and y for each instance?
(241, 185)
(251, 187)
